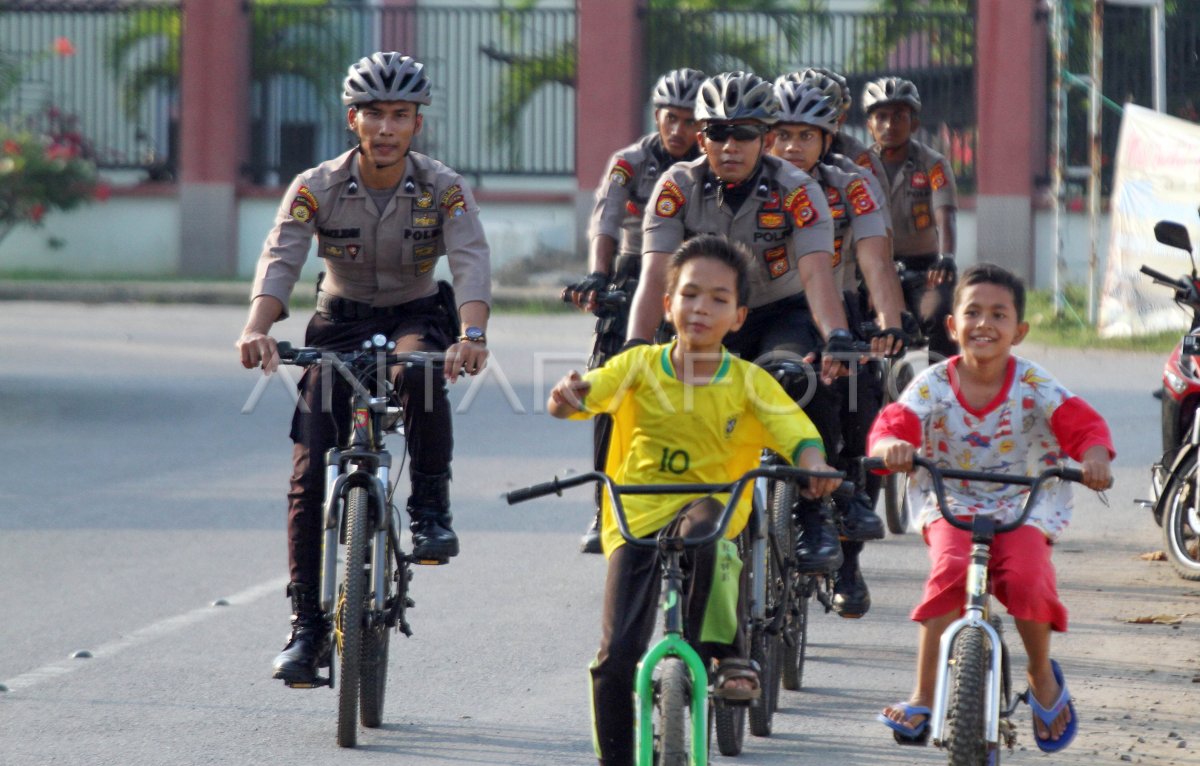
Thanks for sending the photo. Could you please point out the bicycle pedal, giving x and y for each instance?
(314, 684)
(430, 562)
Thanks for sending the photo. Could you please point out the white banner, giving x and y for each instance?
(1157, 179)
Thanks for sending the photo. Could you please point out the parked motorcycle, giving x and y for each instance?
(1175, 478)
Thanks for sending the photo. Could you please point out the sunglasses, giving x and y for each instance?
(723, 132)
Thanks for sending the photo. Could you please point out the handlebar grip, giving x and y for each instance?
(286, 351)
(529, 493)
(554, 487)
(1158, 275)
(873, 464)
(1071, 474)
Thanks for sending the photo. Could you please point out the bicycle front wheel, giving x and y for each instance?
(373, 684)
(965, 741)
(672, 714)
(1181, 521)
(350, 615)
(795, 643)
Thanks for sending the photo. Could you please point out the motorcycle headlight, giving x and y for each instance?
(1174, 382)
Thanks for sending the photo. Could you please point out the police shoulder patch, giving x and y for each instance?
(860, 197)
(453, 202)
(304, 206)
(669, 201)
(621, 172)
(800, 206)
(937, 176)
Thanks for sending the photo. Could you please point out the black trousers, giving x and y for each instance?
(323, 411)
(931, 306)
(631, 593)
(786, 328)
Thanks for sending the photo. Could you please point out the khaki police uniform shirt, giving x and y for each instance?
(922, 184)
(784, 219)
(380, 259)
(856, 211)
(625, 189)
(860, 154)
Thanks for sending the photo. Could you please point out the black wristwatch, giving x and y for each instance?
(474, 335)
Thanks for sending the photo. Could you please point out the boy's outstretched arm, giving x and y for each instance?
(566, 398)
(813, 459)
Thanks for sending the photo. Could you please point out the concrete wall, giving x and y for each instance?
(134, 236)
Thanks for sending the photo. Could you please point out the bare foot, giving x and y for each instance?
(1046, 689)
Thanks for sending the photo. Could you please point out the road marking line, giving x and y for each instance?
(142, 636)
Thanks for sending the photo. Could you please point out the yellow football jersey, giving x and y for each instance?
(666, 431)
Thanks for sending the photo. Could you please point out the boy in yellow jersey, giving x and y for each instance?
(683, 412)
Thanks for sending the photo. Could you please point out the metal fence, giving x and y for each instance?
(936, 50)
(503, 99)
(1127, 75)
(109, 72)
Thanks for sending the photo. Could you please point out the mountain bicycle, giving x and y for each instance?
(973, 701)
(672, 717)
(369, 596)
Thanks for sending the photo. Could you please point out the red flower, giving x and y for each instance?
(12, 147)
(63, 46)
(61, 152)
(36, 212)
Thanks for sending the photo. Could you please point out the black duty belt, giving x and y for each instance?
(346, 310)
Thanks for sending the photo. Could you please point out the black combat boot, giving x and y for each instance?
(818, 549)
(429, 507)
(308, 646)
(851, 598)
(859, 522)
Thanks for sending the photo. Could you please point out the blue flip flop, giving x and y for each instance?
(1048, 716)
(908, 735)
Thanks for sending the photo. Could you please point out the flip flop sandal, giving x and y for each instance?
(1047, 716)
(908, 735)
(733, 668)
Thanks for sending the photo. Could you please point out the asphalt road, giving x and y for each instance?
(143, 480)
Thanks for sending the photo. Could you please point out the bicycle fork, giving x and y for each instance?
(672, 644)
(335, 489)
(975, 617)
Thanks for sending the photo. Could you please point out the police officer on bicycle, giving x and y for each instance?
(615, 228)
(834, 85)
(809, 121)
(779, 213)
(382, 215)
(921, 194)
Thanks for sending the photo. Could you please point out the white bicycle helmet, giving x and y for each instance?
(737, 96)
(891, 90)
(678, 88)
(832, 83)
(386, 76)
(805, 104)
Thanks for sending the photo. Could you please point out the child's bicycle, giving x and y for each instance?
(973, 703)
(672, 712)
(360, 515)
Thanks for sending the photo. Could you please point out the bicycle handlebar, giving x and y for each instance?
(614, 490)
(303, 357)
(938, 474)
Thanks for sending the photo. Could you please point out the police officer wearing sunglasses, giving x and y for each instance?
(780, 214)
